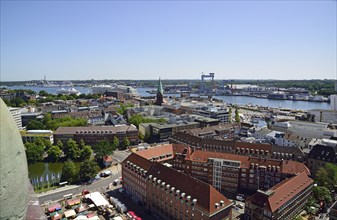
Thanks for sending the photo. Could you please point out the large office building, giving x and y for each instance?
(172, 194)
(282, 202)
(228, 174)
(231, 173)
(94, 134)
(16, 114)
(333, 102)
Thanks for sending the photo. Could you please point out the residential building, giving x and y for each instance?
(221, 132)
(107, 160)
(230, 173)
(32, 135)
(171, 194)
(239, 148)
(281, 202)
(214, 112)
(333, 102)
(16, 114)
(27, 117)
(327, 116)
(93, 117)
(321, 154)
(94, 134)
(162, 132)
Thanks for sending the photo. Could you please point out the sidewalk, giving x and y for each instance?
(113, 169)
(63, 188)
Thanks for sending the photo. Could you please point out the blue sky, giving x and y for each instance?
(70, 40)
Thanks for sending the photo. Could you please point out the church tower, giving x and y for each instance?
(160, 94)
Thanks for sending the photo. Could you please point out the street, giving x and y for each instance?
(99, 185)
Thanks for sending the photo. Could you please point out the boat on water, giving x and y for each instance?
(69, 91)
(101, 89)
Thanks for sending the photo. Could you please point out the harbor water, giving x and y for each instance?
(239, 100)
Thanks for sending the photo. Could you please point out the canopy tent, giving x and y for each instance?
(97, 199)
(71, 202)
(54, 207)
(69, 213)
(81, 217)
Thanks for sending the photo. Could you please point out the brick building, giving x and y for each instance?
(239, 148)
(227, 173)
(283, 201)
(172, 194)
(94, 134)
(230, 173)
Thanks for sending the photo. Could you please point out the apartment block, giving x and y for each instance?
(94, 134)
(172, 194)
(281, 202)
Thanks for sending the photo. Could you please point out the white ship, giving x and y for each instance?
(69, 91)
(100, 89)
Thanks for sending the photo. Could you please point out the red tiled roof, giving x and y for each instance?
(157, 151)
(286, 166)
(107, 158)
(253, 146)
(281, 193)
(205, 194)
(139, 160)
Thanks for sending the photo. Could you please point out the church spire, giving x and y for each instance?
(160, 94)
(160, 88)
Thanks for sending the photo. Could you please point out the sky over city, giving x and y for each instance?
(80, 40)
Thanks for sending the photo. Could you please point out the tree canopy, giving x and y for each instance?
(54, 153)
(237, 116)
(71, 150)
(327, 175)
(138, 118)
(34, 152)
(125, 143)
(69, 172)
(88, 169)
(103, 148)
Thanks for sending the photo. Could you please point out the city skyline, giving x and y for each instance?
(172, 40)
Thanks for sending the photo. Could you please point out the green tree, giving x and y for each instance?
(137, 119)
(54, 153)
(43, 93)
(237, 116)
(71, 150)
(125, 143)
(81, 144)
(44, 143)
(115, 143)
(327, 175)
(103, 148)
(59, 144)
(69, 172)
(34, 153)
(35, 125)
(17, 102)
(86, 153)
(7, 102)
(321, 193)
(88, 169)
(230, 115)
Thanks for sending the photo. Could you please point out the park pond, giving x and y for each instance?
(43, 173)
